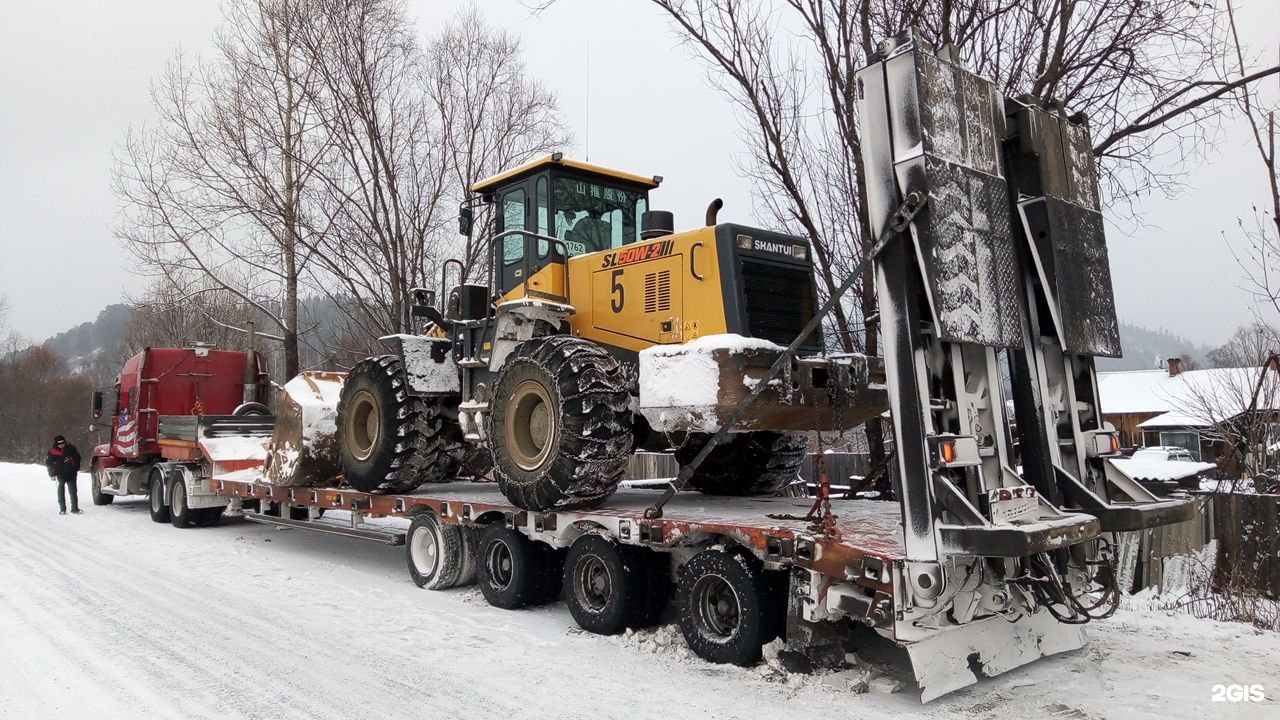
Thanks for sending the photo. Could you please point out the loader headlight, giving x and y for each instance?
(800, 252)
(745, 242)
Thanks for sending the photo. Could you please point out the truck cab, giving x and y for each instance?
(190, 381)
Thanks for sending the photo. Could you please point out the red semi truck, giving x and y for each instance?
(190, 382)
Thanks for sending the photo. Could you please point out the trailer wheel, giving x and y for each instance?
(757, 463)
(721, 608)
(434, 553)
(95, 486)
(508, 567)
(180, 514)
(604, 585)
(560, 425)
(155, 496)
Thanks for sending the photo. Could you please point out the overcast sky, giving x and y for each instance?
(74, 75)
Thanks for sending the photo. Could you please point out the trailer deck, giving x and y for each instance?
(870, 531)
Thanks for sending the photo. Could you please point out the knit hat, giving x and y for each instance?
(58, 438)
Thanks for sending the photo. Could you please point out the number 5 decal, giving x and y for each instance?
(615, 288)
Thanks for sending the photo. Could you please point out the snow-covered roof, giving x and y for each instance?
(1192, 398)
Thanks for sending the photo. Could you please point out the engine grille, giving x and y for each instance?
(778, 301)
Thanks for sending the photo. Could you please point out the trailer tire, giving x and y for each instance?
(508, 567)
(604, 585)
(434, 552)
(722, 611)
(756, 463)
(180, 514)
(378, 427)
(155, 496)
(561, 424)
(95, 486)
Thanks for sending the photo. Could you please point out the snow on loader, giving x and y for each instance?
(601, 332)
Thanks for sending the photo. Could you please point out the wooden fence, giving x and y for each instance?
(1248, 542)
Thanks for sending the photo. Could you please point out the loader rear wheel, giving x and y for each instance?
(560, 425)
(757, 463)
(155, 496)
(722, 612)
(509, 568)
(388, 440)
(95, 487)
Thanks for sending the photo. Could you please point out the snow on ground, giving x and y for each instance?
(108, 615)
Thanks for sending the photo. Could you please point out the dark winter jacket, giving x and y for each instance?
(63, 462)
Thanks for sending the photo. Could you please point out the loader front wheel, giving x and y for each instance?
(757, 463)
(560, 424)
(381, 429)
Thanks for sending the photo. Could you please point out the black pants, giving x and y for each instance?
(63, 485)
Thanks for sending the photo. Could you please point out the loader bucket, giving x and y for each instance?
(304, 445)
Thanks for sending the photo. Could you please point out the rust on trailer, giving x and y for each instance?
(871, 530)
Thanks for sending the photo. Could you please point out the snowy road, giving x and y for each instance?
(108, 615)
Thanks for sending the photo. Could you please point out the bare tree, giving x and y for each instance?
(1249, 346)
(1140, 68)
(491, 114)
(1235, 411)
(217, 190)
(1257, 249)
(379, 186)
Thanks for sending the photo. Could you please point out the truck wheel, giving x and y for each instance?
(390, 441)
(757, 463)
(508, 567)
(180, 515)
(434, 552)
(95, 487)
(604, 585)
(560, 424)
(155, 496)
(721, 608)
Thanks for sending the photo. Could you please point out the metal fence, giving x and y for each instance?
(1248, 542)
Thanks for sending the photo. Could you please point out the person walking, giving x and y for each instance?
(63, 462)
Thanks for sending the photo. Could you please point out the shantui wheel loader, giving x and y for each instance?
(602, 331)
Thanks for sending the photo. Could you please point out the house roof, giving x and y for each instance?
(1192, 398)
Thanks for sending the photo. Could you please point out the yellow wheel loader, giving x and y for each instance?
(602, 331)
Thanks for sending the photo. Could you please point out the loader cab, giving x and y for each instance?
(585, 208)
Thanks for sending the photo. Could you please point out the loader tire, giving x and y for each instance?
(438, 450)
(390, 441)
(757, 463)
(560, 424)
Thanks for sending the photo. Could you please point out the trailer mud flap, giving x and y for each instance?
(946, 662)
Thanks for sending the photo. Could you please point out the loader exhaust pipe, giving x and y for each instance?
(713, 210)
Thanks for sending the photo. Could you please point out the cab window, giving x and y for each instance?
(513, 205)
(590, 217)
(542, 203)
